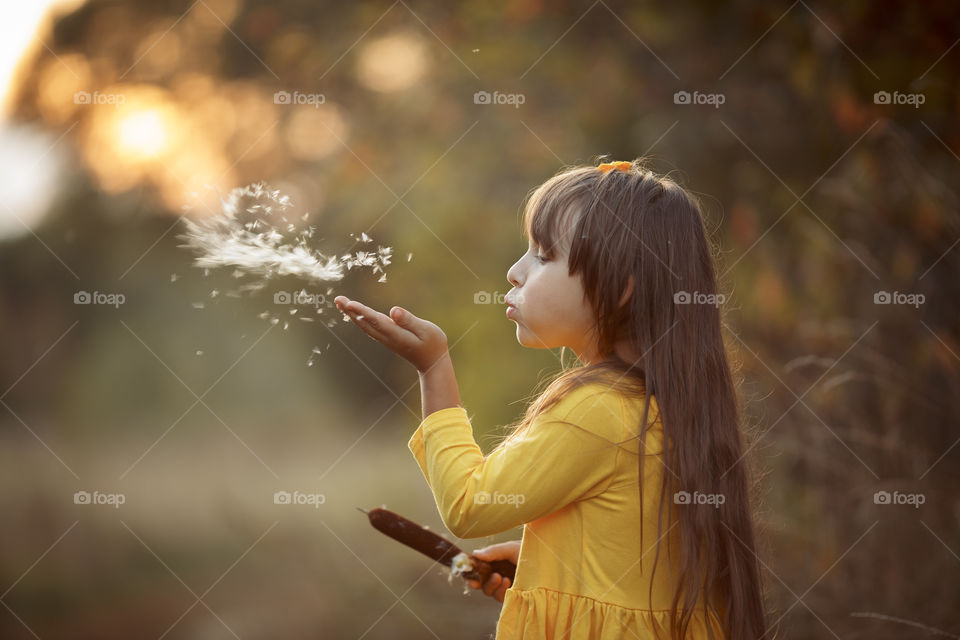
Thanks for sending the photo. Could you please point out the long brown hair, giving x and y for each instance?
(623, 223)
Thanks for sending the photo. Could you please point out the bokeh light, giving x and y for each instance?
(393, 62)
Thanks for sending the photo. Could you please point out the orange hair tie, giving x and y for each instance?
(619, 166)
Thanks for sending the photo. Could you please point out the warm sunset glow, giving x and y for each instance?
(25, 26)
(143, 134)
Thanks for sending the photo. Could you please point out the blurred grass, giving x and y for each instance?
(200, 501)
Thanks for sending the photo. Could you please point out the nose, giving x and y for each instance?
(512, 273)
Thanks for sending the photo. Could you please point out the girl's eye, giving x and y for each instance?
(541, 259)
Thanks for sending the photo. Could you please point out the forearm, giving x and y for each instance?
(438, 386)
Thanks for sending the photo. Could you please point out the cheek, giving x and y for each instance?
(556, 296)
(542, 293)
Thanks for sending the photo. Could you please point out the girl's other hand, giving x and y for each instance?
(418, 341)
(496, 585)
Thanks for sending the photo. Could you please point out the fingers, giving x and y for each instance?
(374, 323)
(499, 551)
(496, 586)
(492, 583)
(502, 591)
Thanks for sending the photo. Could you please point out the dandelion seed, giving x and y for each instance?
(409, 256)
(253, 286)
(364, 237)
(293, 311)
(173, 277)
(258, 248)
(305, 319)
(214, 293)
(316, 350)
(359, 317)
(310, 361)
(286, 325)
(198, 305)
(274, 320)
(199, 352)
(346, 318)
(264, 315)
(383, 278)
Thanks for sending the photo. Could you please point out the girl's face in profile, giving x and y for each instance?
(550, 307)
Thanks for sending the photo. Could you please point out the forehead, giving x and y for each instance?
(552, 227)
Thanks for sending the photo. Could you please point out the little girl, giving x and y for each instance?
(619, 269)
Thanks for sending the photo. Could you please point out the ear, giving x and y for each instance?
(626, 294)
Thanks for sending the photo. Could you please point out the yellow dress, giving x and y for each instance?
(581, 572)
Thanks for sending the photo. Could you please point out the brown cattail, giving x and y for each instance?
(434, 546)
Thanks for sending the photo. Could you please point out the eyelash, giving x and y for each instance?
(541, 259)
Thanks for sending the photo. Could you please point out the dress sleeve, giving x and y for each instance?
(567, 454)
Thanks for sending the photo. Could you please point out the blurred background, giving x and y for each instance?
(144, 434)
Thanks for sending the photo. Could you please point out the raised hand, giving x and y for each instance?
(418, 341)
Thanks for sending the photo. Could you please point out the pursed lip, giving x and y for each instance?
(511, 306)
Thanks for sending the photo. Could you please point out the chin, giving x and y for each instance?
(527, 339)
